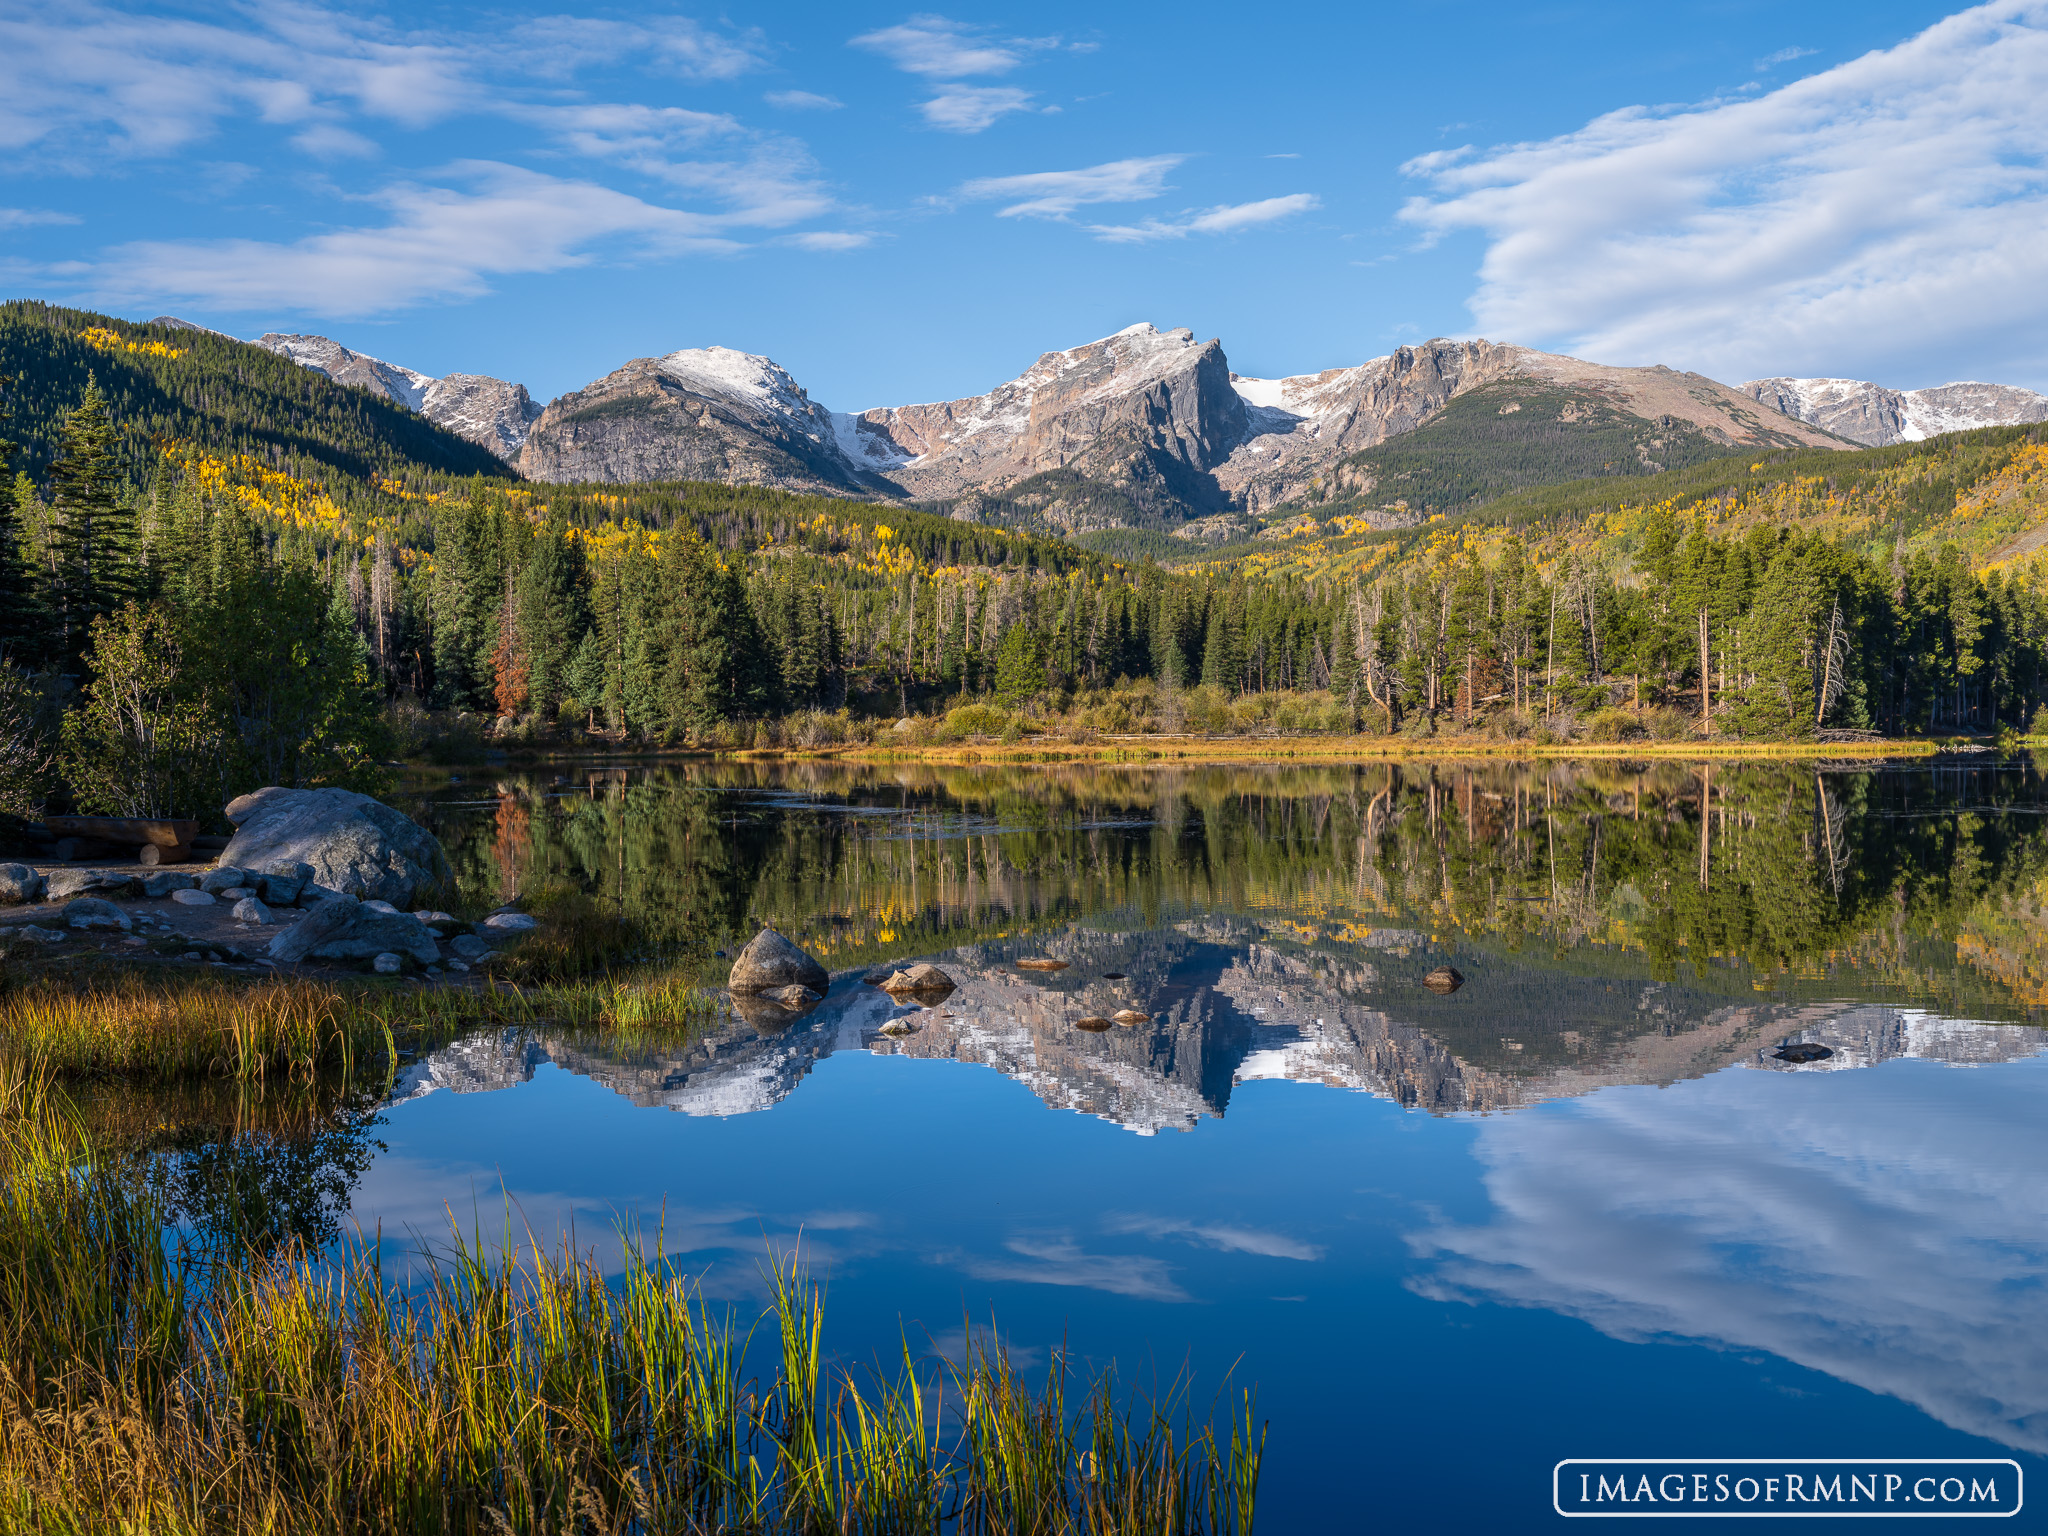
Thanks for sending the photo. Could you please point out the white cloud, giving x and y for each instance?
(22, 218)
(1884, 218)
(1884, 1226)
(439, 244)
(1059, 1260)
(971, 108)
(942, 49)
(1225, 220)
(331, 141)
(1784, 56)
(1056, 194)
(830, 240)
(803, 101)
(1270, 1245)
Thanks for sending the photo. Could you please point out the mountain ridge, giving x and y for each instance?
(1150, 428)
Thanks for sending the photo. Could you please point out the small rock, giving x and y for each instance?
(250, 910)
(91, 912)
(19, 884)
(1129, 1016)
(387, 964)
(469, 946)
(793, 996)
(1803, 1051)
(1093, 1024)
(236, 893)
(37, 935)
(1444, 980)
(311, 895)
(1112, 975)
(771, 961)
(922, 978)
(510, 922)
(156, 887)
(223, 877)
(433, 970)
(1041, 963)
(898, 1028)
(191, 954)
(192, 898)
(439, 919)
(457, 965)
(132, 939)
(65, 884)
(380, 906)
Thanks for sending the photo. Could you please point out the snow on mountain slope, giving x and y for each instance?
(405, 385)
(489, 412)
(1876, 416)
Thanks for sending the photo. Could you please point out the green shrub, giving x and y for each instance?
(974, 720)
(1614, 725)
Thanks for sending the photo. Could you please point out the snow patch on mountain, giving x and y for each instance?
(405, 385)
(1871, 414)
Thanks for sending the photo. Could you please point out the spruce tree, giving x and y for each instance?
(95, 528)
(21, 624)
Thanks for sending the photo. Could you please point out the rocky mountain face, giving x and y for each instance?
(1876, 417)
(488, 412)
(1146, 427)
(709, 413)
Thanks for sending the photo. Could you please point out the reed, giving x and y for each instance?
(156, 1031)
(146, 1386)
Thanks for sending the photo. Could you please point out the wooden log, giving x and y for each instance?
(161, 840)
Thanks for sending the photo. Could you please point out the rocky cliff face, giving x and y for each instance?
(704, 414)
(1142, 408)
(1305, 426)
(488, 412)
(1875, 416)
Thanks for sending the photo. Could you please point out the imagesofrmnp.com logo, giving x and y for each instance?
(1678, 1488)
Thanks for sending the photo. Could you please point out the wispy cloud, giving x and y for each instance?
(1224, 220)
(1272, 1245)
(438, 244)
(1871, 219)
(944, 50)
(803, 101)
(1783, 56)
(1056, 194)
(971, 108)
(1059, 1260)
(830, 240)
(22, 218)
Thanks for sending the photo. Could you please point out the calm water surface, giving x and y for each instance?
(1578, 1208)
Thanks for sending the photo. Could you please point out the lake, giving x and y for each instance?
(1579, 1207)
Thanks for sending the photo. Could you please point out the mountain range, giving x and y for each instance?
(1152, 428)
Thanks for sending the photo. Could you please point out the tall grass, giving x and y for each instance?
(146, 1388)
(151, 1030)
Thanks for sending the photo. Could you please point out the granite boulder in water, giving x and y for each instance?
(770, 962)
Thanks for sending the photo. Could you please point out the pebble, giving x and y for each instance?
(192, 898)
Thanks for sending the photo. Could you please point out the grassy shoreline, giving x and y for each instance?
(157, 1385)
(1196, 749)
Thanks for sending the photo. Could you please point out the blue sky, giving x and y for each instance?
(901, 205)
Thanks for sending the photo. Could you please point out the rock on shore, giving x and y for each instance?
(353, 844)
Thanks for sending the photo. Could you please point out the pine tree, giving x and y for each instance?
(21, 624)
(94, 527)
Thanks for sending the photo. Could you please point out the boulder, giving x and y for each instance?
(19, 884)
(505, 923)
(280, 885)
(1444, 980)
(65, 884)
(770, 961)
(919, 978)
(192, 898)
(342, 928)
(224, 877)
(250, 910)
(353, 844)
(169, 883)
(91, 912)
